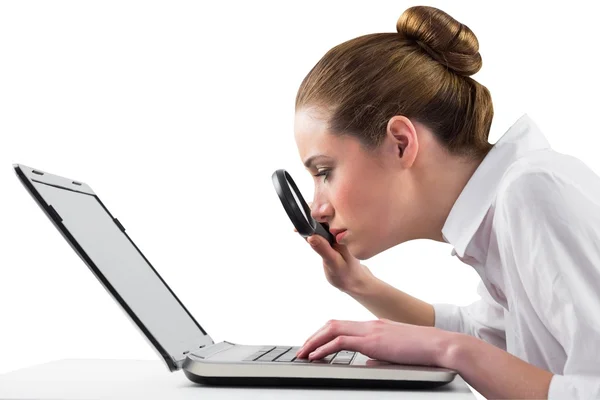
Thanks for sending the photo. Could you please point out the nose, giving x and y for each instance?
(321, 211)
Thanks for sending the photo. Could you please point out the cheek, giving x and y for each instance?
(341, 196)
(371, 203)
(354, 201)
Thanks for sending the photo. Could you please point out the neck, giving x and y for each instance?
(441, 183)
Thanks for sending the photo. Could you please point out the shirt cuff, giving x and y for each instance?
(447, 317)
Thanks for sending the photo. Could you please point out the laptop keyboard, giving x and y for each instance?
(288, 354)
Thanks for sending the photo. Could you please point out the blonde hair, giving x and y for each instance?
(422, 72)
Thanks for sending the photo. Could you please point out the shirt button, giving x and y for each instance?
(453, 253)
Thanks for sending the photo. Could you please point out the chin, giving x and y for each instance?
(364, 251)
(361, 253)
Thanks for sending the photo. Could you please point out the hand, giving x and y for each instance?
(342, 270)
(382, 339)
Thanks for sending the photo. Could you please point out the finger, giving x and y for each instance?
(330, 331)
(324, 249)
(343, 251)
(311, 336)
(344, 342)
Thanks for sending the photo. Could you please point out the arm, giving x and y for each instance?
(549, 231)
(385, 301)
(346, 273)
(483, 319)
(549, 228)
(493, 372)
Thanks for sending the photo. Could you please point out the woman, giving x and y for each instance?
(395, 133)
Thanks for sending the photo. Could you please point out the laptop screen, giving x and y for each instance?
(126, 270)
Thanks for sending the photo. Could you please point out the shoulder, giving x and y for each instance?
(547, 226)
(548, 206)
(547, 218)
(548, 185)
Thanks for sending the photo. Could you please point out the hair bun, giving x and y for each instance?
(442, 37)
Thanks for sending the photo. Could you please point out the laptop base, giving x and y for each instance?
(316, 382)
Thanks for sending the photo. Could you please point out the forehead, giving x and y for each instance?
(312, 136)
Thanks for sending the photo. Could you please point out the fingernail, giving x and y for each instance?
(313, 241)
(312, 354)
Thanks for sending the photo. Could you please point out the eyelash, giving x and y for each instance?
(324, 172)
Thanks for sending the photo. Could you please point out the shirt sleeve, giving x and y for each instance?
(552, 234)
(483, 318)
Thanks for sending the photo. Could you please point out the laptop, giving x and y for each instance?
(103, 244)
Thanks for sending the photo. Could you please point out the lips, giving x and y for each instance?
(338, 233)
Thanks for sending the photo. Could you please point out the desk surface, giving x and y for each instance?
(133, 379)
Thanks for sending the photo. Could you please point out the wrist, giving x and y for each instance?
(449, 348)
(361, 285)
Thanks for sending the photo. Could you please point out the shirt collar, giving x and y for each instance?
(474, 201)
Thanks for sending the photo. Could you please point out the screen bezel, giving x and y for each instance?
(26, 175)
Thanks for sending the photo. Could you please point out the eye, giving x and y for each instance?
(323, 172)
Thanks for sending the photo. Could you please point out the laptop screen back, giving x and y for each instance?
(126, 270)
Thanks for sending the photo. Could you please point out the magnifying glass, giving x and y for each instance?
(296, 208)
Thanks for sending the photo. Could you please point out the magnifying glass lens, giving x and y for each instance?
(296, 208)
(298, 202)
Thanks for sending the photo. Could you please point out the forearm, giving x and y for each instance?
(385, 301)
(493, 372)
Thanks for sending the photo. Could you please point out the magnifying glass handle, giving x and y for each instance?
(321, 230)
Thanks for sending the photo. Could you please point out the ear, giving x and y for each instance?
(402, 135)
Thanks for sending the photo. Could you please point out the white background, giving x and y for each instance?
(177, 113)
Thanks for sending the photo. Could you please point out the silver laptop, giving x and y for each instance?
(102, 243)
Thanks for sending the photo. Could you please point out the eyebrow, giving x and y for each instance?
(311, 160)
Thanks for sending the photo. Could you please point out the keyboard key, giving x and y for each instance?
(254, 356)
(301, 360)
(324, 360)
(343, 357)
(288, 354)
(341, 360)
(263, 350)
(287, 357)
(268, 357)
(273, 354)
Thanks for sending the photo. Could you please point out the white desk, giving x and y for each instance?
(135, 379)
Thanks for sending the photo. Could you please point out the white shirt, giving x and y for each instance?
(528, 221)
